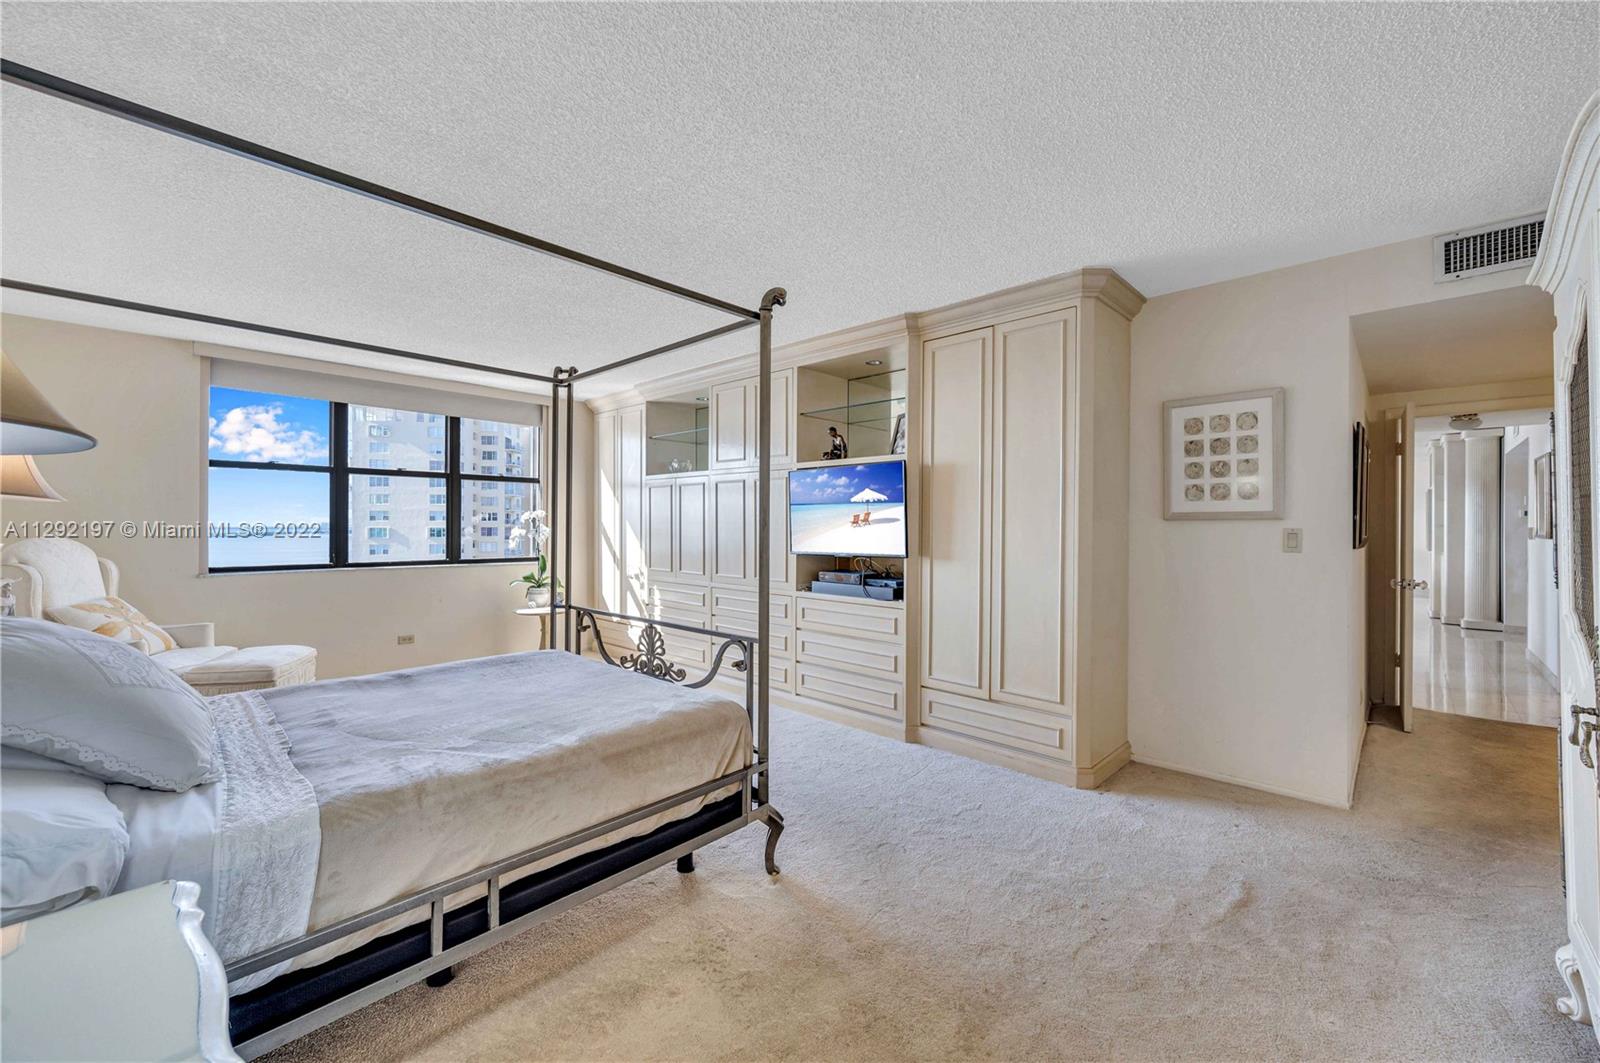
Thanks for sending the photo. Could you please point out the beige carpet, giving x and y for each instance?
(936, 908)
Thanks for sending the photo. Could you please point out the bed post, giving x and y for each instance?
(554, 501)
(774, 297)
(567, 617)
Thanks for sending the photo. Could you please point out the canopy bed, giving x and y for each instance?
(338, 865)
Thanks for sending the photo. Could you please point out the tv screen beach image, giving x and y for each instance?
(856, 510)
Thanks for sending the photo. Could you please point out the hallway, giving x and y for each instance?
(1480, 673)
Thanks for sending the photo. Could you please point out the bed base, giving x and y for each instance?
(298, 1002)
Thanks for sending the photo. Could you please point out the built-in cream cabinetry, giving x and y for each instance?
(734, 442)
(1011, 643)
(1023, 617)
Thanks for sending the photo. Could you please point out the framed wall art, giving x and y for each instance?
(1361, 459)
(1223, 456)
(1543, 524)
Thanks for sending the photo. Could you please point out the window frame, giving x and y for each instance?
(338, 470)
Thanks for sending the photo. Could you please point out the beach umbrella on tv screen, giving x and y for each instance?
(869, 495)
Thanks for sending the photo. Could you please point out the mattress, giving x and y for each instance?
(423, 774)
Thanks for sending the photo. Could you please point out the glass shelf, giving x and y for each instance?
(687, 435)
(876, 413)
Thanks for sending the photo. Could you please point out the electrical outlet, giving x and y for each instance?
(1292, 540)
(405, 640)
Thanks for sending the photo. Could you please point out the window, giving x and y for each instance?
(306, 483)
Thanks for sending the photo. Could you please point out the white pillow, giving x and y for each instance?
(115, 619)
(61, 841)
(101, 706)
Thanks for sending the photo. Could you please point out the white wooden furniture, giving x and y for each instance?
(1568, 267)
(1024, 432)
(127, 977)
(49, 573)
(1011, 643)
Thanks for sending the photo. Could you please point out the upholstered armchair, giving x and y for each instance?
(51, 574)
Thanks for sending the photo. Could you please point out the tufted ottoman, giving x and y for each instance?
(252, 668)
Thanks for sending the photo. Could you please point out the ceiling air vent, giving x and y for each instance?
(1487, 249)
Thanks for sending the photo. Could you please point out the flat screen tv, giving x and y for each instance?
(849, 510)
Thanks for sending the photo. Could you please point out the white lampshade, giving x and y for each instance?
(28, 423)
(19, 478)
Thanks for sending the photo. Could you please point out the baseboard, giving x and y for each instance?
(1091, 777)
(1483, 625)
(1233, 780)
(1514, 629)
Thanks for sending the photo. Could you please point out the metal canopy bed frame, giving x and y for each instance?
(300, 1001)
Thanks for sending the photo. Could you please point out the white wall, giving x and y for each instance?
(142, 397)
(1241, 655)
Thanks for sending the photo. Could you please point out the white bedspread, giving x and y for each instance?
(426, 773)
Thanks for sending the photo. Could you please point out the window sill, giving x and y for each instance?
(397, 566)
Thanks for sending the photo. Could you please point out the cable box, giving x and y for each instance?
(833, 576)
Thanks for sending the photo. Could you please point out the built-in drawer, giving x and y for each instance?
(676, 600)
(725, 601)
(691, 652)
(866, 655)
(850, 690)
(1011, 726)
(851, 619)
(732, 680)
(780, 637)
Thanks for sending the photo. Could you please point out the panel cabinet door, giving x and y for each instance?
(1032, 510)
(659, 529)
(732, 531)
(781, 574)
(955, 511)
(690, 553)
(733, 427)
(783, 418)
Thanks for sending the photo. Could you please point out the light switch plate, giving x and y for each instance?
(1291, 540)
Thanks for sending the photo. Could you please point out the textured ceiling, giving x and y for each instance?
(871, 159)
(1477, 339)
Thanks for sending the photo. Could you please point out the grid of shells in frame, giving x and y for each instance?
(1221, 461)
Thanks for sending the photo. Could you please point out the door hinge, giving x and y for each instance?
(1397, 660)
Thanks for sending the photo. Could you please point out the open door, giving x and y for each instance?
(1404, 584)
(1408, 583)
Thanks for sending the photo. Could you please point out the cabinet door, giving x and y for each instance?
(689, 528)
(732, 530)
(733, 427)
(660, 527)
(782, 571)
(783, 418)
(955, 511)
(1034, 394)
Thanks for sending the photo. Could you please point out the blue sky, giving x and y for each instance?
(250, 426)
(837, 484)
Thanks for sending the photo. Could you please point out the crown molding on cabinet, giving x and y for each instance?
(1564, 219)
(905, 330)
(1035, 297)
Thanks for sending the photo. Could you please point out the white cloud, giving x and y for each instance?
(255, 433)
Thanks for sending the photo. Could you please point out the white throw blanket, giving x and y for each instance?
(252, 840)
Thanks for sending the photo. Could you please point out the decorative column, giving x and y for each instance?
(1481, 602)
(1451, 543)
(1436, 528)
